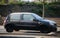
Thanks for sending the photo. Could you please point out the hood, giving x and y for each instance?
(46, 20)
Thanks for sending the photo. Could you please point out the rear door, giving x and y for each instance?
(15, 18)
(27, 21)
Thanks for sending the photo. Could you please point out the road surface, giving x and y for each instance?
(27, 34)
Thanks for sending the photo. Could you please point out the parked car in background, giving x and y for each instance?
(28, 21)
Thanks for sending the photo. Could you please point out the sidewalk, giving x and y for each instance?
(26, 36)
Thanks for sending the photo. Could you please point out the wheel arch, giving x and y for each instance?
(8, 25)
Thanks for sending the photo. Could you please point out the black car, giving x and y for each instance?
(28, 21)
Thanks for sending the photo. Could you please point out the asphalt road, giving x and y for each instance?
(27, 34)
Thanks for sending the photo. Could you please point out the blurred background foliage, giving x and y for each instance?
(51, 9)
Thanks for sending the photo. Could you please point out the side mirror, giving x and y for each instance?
(35, 20)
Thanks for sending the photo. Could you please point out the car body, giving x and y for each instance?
(28, 21)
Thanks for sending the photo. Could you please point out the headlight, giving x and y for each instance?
(51, 23)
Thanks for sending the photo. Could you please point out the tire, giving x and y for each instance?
(49, 30)
(9, 28)
(45, 29)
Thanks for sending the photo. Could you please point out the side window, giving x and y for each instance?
(15, 17)
(28, 17)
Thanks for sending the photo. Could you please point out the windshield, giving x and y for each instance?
(38, 17)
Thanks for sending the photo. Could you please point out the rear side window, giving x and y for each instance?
(15, 17)
(28, 17)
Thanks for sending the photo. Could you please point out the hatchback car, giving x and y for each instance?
(28, 21)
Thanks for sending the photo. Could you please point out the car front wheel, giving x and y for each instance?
(45, 29)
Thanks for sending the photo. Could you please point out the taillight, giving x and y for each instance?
(4, 22)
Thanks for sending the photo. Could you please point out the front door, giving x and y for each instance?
(27, 22)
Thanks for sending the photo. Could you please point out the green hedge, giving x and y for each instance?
(51, 9)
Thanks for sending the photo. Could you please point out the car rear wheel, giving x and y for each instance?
(9, 28)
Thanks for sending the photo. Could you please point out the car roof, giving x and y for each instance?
(21, 13)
